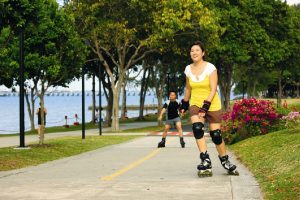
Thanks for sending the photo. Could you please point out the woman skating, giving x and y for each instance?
(203, 103)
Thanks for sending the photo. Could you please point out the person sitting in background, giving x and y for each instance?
(285, 105)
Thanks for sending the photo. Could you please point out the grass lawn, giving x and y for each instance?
(147, 118)
(290, 102)
(144, 129)
(54, 149)
(274, 159)
(56, 129)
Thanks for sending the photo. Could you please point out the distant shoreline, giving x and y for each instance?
(132, 107)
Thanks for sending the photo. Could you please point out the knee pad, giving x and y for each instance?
(216, 136)
(197, 129)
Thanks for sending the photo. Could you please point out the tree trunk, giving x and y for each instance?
(109, 108)
(297, 90)
(159, 94)
(32, 98)
(159, 84)
(225, 86)
(42, 126)
(109, 99)
(251, 87)
(116, 88)
(115, 111)
(30, 108)
(279, 93)
(123, 108)
(93, 99)
(144, 87)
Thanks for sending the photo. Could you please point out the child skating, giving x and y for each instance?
(172, 117)
(203, 103)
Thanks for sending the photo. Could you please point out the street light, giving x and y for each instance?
(22, 126)
(100, 102)
(83, 104)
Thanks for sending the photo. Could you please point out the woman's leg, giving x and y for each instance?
(220, 147)
(216, 135)
(200, 140)
(205, 166)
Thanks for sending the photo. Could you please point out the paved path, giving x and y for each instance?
(133, 170)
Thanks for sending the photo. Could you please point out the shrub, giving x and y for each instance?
(249, 117)
(292, 120)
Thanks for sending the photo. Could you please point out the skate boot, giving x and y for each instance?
(162, 143)
(205, 165)
(182, 142)
(231, 169)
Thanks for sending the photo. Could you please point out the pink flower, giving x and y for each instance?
(247, 118)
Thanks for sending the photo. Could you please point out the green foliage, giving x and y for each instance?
(55, 51)
(8, 62)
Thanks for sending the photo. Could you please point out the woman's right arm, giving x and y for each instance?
(187, 94)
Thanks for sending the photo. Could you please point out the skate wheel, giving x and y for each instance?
(234, 173)
(204, 174)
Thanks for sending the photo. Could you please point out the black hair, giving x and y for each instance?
(172, 91)
(198, 43)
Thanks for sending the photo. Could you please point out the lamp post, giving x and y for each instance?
(22, 126)
(83, 104)
(100, 102)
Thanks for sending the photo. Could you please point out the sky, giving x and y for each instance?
(290, 2)
(76, 85)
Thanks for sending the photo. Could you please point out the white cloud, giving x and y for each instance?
(291, 2)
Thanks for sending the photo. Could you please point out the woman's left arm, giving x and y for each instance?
(213, 83)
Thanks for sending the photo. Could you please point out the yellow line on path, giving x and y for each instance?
(132, 165)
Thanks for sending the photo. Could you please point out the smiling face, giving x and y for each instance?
(196, 53)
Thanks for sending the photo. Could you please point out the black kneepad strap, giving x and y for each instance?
(216, 136)
(198, 130)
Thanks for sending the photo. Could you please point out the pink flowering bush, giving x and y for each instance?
(249, 117)
(292, 120)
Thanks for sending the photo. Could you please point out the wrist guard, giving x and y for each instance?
(184, 105)
(205, 107)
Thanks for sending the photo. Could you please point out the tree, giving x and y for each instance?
(8, 59)
(125, 32)
(247, 49)
(54, 52)
(14, 17)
